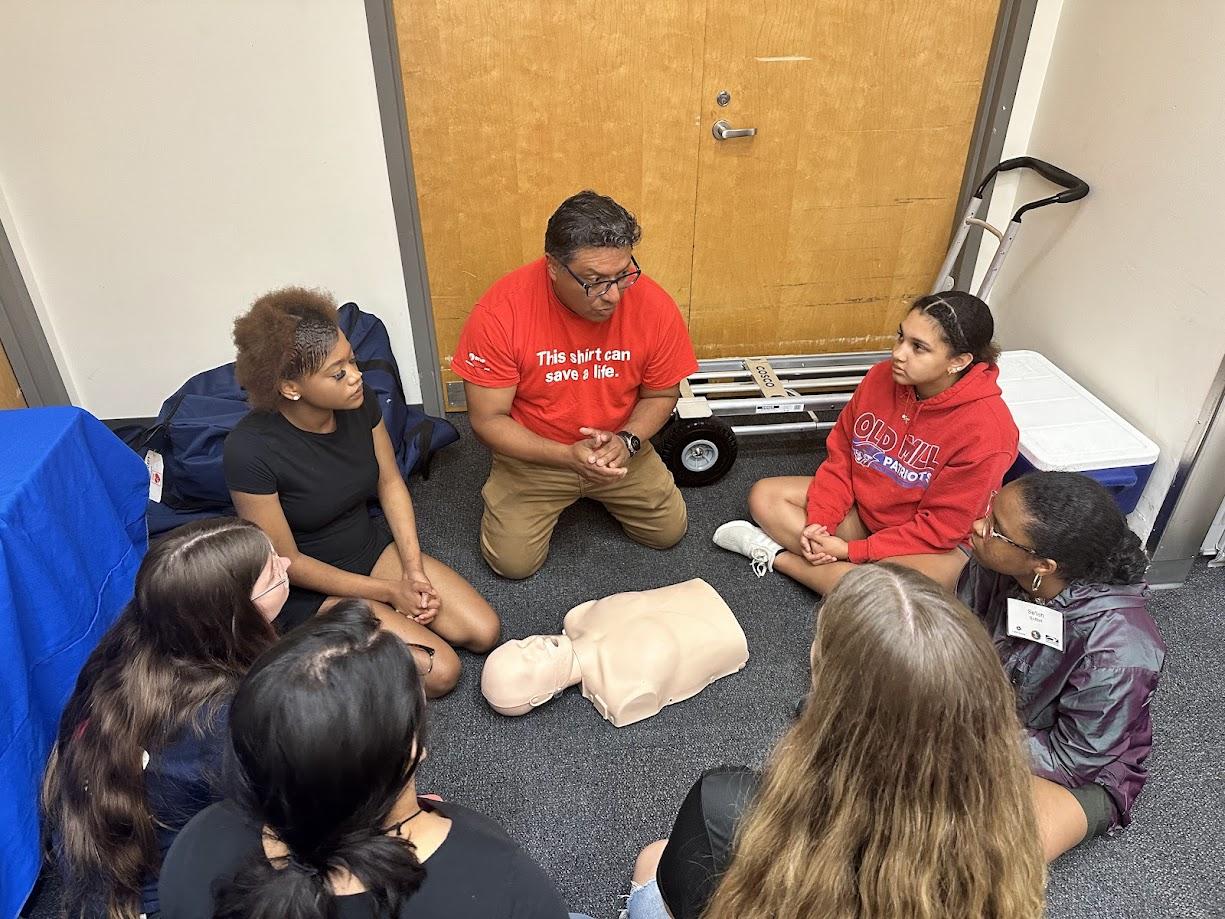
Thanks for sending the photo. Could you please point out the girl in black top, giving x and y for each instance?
(901, 790)
(328, 733)
(304, 464)
(140, 741)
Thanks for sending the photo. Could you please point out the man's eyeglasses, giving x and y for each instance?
(429, 657)
(596, 289)
(993, 533)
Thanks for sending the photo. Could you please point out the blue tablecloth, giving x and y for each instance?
(72, 534)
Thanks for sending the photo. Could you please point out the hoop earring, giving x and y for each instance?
(1037, 583)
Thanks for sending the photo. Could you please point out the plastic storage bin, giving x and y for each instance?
(1066, 428)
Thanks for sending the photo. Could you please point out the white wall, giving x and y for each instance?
(1123, 289)
(164, 162)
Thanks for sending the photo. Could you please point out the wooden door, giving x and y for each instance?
(10, 393)
(814, 233)
(512, 107)
(807, 237)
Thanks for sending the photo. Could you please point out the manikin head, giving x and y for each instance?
(528, 672)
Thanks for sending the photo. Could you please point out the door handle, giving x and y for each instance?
(722, 130)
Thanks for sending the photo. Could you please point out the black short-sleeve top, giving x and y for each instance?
(699, 848)
(323, 480)
(477, 872)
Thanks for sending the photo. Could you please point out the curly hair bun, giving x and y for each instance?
(285, 335)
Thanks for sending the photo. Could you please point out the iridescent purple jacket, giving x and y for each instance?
(1085, 709)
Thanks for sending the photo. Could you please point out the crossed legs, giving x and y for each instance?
(780, 507)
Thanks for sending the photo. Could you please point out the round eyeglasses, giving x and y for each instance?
(596, 289)
(419, 652)
(282, 578)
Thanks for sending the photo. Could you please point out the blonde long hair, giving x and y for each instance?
(901, 792)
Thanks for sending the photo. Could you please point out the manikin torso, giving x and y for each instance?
(633, 652)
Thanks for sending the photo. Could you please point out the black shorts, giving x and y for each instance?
(302, 603)
(1101, 813)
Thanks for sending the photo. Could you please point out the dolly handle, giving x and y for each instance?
(1077, 188)
(1074, 188)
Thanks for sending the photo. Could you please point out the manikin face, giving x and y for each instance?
(591, 265)
(920, 357)
(271, 588)
(337, 385)
(527, 672)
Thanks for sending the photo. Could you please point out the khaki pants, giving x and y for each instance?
(523, 501)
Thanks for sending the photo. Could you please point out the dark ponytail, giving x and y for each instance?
(1075, 521)
(965, 323)
(292, 889)
(259, 891)
(328, 730)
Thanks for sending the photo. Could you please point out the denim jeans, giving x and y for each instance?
(646, 902)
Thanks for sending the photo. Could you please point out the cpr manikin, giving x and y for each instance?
(634, 653)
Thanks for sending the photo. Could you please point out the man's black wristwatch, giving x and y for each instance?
(632, 443)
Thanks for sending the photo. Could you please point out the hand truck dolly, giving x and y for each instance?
(805, 392)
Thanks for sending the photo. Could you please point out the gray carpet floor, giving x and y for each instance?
(583, 797)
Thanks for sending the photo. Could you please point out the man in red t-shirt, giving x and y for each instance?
(571, 364)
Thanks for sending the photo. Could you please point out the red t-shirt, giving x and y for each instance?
(569, 372)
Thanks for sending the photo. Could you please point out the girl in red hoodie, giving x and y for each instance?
(910, 464)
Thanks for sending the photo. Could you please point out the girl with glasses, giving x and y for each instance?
(910, 463)
(901, 789)
(328, 730)
(1057, 540)
(140, 742)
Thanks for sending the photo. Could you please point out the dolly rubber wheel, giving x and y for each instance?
(699, 451)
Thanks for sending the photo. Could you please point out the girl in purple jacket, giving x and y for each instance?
(1058, 580)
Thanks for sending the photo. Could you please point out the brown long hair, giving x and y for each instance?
(182, 643)
(901, 792)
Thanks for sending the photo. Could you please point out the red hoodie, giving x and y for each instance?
(919, 472)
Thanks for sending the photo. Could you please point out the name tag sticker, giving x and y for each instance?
(156, 467)
(1035, 623)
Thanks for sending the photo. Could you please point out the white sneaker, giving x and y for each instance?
(751, 542)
